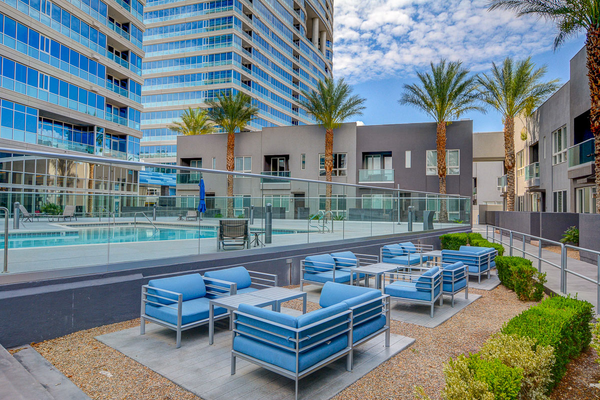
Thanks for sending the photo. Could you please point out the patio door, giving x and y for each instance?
(277, 164)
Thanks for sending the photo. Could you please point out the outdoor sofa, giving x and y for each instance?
(405, 253)
(425, 288)
(181, 302)
(334, 267)
(298, 346)
(455, 279)
(480, 260)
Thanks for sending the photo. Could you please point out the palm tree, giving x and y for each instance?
(571, 17)
(232, 113)
(445, 94)
(193, 122)
(331, 104)
(514, 88)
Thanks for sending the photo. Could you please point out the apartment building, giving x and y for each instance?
(488, 163)
(70, 83)
(268, 49)
(389, 156)
(555, 150)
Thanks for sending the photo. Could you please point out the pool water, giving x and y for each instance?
(114, 234)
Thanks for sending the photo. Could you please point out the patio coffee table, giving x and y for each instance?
(261, 298)
(376, 270)
(435, 254)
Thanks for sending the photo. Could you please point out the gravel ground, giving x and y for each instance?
(104, 373)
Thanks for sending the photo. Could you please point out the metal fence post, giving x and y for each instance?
(598, 288)
(16, 215)
(563, 267)
(540, 255)
(523, 238)
(511, 243)
(487, 232)
(494, 234)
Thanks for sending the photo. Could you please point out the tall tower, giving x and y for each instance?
(268, 49)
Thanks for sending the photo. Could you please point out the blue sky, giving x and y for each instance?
(380, 43)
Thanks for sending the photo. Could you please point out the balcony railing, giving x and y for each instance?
(532, 171)
(502, 182)
(375, 175)
(284, 174)
(581, 153)
(188, 178)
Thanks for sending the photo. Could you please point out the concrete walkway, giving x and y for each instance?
(576, 286)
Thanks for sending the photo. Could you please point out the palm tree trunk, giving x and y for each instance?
(230, 167)
(592, 45)
(509, 161)
(328, 166)
(440, 142)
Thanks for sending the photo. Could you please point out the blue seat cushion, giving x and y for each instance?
(253, 327)
(458, 285)
(191, 286)
(363, 330)
(286, 359)
(319, 263)
(404, 260)
(408, 291)
(478, 269)
(313, 334)
(340, 276)
(334, 293)
(237, 275)
(345, 259)
(408, 246)
(427, 279)
(191, 311)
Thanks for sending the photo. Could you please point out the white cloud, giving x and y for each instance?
(382, 38)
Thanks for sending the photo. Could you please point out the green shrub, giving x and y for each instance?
(485, 243)
(571, 235)
(503, 381)
(461, 383)
(596, 339)
(562, 323)
(503, 265)
(528, 281)
(453, 241)
(52, 209)
(521, 352)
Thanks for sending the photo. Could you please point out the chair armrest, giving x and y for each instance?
(145, 296)
(218, 287)
(366, 259)
(422, 248)
(263, 279)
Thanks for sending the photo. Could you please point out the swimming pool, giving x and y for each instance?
(112, 234)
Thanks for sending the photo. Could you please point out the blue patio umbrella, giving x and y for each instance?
(202, 204)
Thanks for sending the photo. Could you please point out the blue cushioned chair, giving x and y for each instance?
(405, 253)
(298, 346)
(455, 279)
(245, 281)
(480, 260)
(421, 289)
(323, 268)
(181, 302)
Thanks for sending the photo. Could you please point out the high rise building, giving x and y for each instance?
(71, 81)
(268, 49)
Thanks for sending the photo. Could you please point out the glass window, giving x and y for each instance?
(408, 159)
(520, 161)
(303, 161)
(243, 164)
(452, 162)
(559, 145)
(339, 164)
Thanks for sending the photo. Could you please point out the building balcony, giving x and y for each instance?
(187, 178)
(375, 176)
(532, 175)
(581, 159)
(275, 183)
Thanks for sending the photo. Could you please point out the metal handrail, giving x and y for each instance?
(144, 214)
(6, 215)
(318, 215)
(325, 221)
(563, 259)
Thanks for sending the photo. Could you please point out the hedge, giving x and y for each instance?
(503, 381)
(518, 274)
(562, 323)
(453, 241)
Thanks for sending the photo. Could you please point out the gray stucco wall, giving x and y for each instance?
(589, 236)
(37, 311)
(418, 138)
(549, 226)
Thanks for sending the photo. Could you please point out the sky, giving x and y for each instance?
(379, 44)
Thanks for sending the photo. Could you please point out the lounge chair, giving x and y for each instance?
(233, 232)
(245, 281)
(480, 260)
(191, 216)
(182, 302)
(421, 289)
(25, 214)
(455, 279)
(405, 253)
(69, 212)
(335, 267)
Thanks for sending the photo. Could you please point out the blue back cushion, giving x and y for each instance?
(476, 250)
(319, 263)
(393, 250)
(319, 315)
(334, 293)
(249, 325)
(345, 259)
(369, 309)
(408, 246)
(425, 281)
(190, 286)
(238, 275)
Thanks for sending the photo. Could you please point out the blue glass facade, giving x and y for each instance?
(268, 49)
(76, 81)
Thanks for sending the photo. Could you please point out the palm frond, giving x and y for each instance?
(232, 113)
(193, 122)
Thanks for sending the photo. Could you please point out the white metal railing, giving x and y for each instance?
(563, 267)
